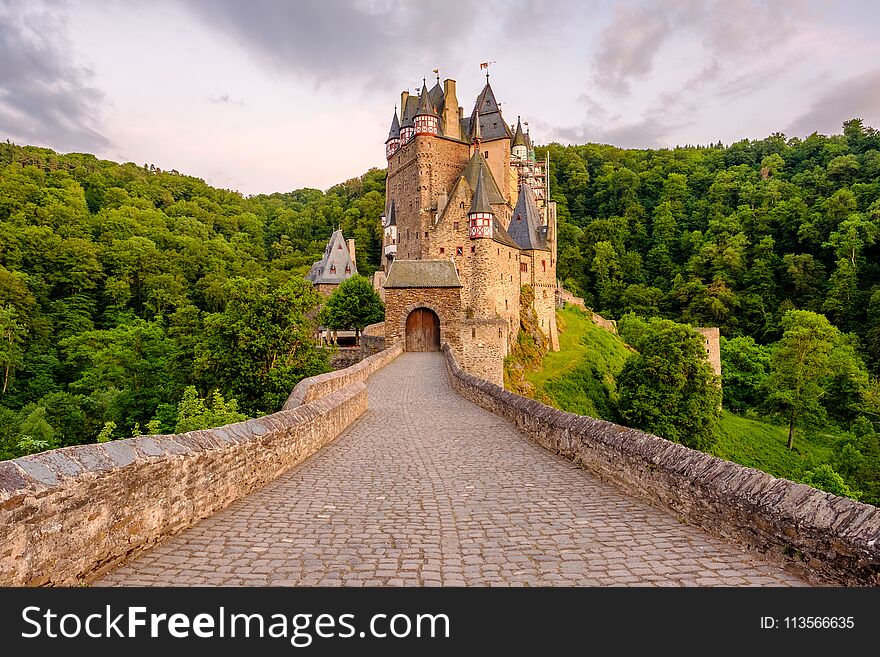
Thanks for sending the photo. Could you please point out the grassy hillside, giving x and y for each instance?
(580, 376)
(762, 446)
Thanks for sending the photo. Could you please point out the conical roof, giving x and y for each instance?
(480, 202)
(487, 114)
(426, 107)
(408, 112)
(438, 98)
(394, 133)
(526, 224)
(519, 137)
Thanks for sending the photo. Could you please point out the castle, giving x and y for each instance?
(467, 223)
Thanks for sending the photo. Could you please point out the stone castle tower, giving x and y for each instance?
(467, 223)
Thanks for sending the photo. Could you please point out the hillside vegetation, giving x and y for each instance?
(122, 285)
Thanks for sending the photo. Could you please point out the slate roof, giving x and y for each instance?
(519, 138)
(426, 107)
(471, 172)
(492, 124)
(437, 97)
(331, 269)
(392, 215)
(480, 202)
(409, 111)
(422, 273)
(526, 224)
(394, 133)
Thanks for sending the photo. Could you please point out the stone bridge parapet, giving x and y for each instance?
(69, 515)
(824, 537)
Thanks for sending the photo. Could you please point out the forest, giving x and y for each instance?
(136, 300)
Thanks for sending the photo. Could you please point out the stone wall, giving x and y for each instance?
(321, 385)
(373, 339)
(68, 515)
(827, 538)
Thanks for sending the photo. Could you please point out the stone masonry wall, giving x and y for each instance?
(373, 338)
(321, 385)
(68, 515)
(816, 534)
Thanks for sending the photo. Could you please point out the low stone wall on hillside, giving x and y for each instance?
(373, 339)
(318, 386)
(824, 537)
(68, 515)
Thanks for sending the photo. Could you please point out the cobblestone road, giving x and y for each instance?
(429, 489)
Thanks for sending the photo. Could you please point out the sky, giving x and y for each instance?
(269, 95)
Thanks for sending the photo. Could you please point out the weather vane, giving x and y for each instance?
(485, 65)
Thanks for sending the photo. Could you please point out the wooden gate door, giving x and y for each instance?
(422, 330)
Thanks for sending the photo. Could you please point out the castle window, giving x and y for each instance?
(473, 249)
(486, 155)
(524, 267)
(499, 331)
(505, 304)
(442, 250)
(543, 265)
(332, 269)
(339, 247)
(426, 233)
(473, 332)
(347, 270)
(459, 250)
(454, 225)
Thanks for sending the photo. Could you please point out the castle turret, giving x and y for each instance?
(392, 144)
(520, 146)
(481, 218)
(426, 119)
(407, 126)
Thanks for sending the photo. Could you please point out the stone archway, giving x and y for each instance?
(422, 331)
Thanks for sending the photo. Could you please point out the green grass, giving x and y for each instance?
(763, 446)
(580, 376)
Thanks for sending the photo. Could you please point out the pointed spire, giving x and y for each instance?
(480, 202)
(426, 107)
(526, 223)
(476, 136)
(519, 139)
(394, 133)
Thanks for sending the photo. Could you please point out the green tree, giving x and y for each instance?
(824, 477)
(12, 335)
(195, 413)
(353, 305)
(745, 368)
(262, 343)
(36, 434)
(669, 388)
(800, 363)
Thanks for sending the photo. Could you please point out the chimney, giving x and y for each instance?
(351, 252)
(451, 126)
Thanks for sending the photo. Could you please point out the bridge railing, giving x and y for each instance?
(69, 515)
(816, 534)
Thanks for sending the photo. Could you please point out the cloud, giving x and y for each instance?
(339, 40)
(45, 98)
(627, 46)
(855, 97)
(225, 99)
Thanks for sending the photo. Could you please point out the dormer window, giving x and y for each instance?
(347, 270)
(339, 247)
(332, 269)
